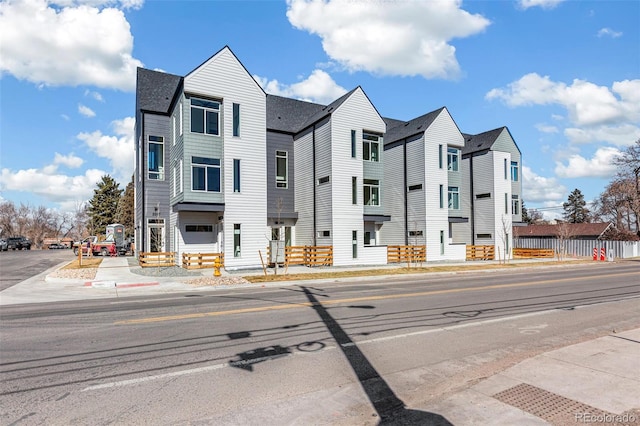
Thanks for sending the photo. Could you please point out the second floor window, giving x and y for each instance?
(454, 198)
(371, 192)
(515, 205)
(514, 171)
(156, 158)
(370, 147)
(453, 156)
(205, 117)
(282, 167)
(205, 174)
(236, 119)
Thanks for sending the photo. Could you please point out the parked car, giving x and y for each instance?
(3, 245)
(56, 246)
(18, 243)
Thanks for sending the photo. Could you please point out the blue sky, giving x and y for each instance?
(563, 76)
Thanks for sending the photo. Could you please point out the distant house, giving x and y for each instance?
(575, 231)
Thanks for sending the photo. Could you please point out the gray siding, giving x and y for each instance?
(393, 188)
(280, 142)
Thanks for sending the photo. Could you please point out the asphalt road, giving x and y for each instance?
(340, 353)
(17, 266)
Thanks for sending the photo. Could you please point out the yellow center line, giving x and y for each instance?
(353, 299)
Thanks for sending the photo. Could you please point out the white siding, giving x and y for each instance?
(443, 131)
(416, 200)
(224, 77)
(502, 222)
(356, 112)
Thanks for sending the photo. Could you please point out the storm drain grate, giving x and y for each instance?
(549, 406)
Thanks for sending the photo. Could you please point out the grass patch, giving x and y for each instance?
(400, 271)
(91, 262)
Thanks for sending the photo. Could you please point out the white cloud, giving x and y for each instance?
(118, 149)
(544, 4)
(608, 32)
(545, 128)
(86, 111)
(389, 38)
(538, 189)
(318, 87)
(598, 113)
(76, 44)
(95, 95)
(71, 160)
(601, 165)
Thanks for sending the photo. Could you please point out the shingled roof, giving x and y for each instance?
(481, 141)
(405, 129)
(155, 90)
(289, 115)
(573, 230)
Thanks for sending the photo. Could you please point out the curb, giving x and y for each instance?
(113, 284)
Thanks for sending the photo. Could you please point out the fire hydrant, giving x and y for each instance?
(216, 267)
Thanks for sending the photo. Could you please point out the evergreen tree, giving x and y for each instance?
(575, 209)
(126, 209)
(103, 205)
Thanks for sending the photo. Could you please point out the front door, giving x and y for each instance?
(155, 243)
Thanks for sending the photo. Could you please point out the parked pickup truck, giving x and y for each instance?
(105, 248)
(18, 243)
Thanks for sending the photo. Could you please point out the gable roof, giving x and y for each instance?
(405, 129)
(480, 142)
(155, 90)
(326, 111)
(289, 115)
(594, 230)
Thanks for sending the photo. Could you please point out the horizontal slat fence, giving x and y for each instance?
(156, 259)
(529, 253)
(400, 254)
(294, 255)
(201, 260)
(481, 253)
(308, 255)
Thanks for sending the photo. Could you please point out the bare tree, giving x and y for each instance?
(504, 235)
(564, 232)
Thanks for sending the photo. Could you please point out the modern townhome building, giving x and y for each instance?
(423, 184)
(491, 173)
(223, 167)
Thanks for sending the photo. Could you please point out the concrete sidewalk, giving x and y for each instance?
(595, 382)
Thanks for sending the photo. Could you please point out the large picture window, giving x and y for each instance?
(156, 158)
(205, 117)
(371, 192)
(205, 174)
(282, 166)
(370, 147)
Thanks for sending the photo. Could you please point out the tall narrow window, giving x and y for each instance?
(180, 118)
(156, 158)
(205, 174)
(354, 244)
(180, 187)
(236, 175)
(441, 242)
(506, 203)
(442, 196)
(515, 204)
(353, 144)
(454, 197)
(371, 192)
(453, 155)
(370, 147)
(506, 176)
(514, 171)
(236, 240)
(205, 117)
(282, 166)
(236, 119)
(354, 190)
(440, 156)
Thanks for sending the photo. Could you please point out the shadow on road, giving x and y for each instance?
(389, 407)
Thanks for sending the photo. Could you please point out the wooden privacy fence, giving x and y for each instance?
(201, 260)
(308, 255)
(481, 253)
(528, 253)
(399, 254)
(156, 259)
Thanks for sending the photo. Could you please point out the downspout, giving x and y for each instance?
(404, 192)
(472, 213)
(313, 158)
